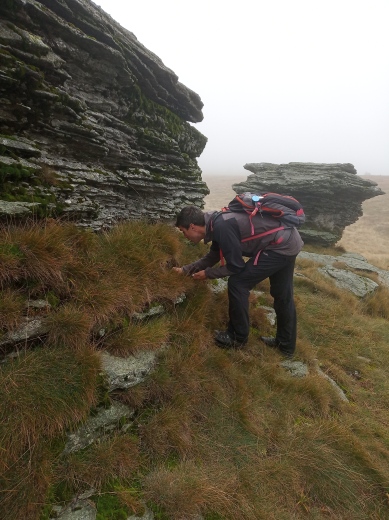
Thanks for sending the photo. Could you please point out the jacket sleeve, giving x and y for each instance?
(209, 260)
(226, 236)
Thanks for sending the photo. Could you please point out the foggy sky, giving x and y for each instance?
(281, 80)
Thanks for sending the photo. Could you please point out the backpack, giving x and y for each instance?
(286, 211)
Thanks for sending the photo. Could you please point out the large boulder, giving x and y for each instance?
(331, 194)
(93, 125)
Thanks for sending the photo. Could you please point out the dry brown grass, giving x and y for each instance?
(189, 490)
(42, 393)
(377, 304)
(69, 327)
(223, 434)
(24, 490)
(41, 252)
(113, 459)
(134, 337)
(12, 305)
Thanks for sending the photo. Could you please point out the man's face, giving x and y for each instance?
(194, 233)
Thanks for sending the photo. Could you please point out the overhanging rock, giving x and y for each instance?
(94, 127)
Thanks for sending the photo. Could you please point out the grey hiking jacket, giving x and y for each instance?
(226, 231)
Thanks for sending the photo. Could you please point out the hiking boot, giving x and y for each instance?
(270, 342)
(274, 343)
(224, 340)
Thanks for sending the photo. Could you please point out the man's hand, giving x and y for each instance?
(178, 270)
(199, 276)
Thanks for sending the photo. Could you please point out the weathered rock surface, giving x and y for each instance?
(104, 422)
(93, 125)
(27, 331)
(352, 261)
(123, 373)
(359, 285)
(331, 194)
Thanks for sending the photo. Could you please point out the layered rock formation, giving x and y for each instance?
(331, 194)
(92, 124)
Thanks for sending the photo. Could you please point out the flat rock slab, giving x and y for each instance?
(353, 261)
(105, 421)
(16, 208)
(296, 368)
(29, 330)
(123, 373)
(358, 285)
(79, 510)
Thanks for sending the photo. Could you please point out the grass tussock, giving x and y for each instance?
(12, 306)
(136, 336)
(116, 459)
(69, 327)
(377, 304)
(222, 434)
(189, 490)
(41, 253)
(24, 488)
(42, 393)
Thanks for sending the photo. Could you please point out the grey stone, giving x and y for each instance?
(270, 314)
(105, 421)
(358, 285)
(23, 148)
(157, 310)
(352, 261)
(31, 329)
(22, 162)
(127, 372)
(331, 194)
(296, 368)
(38, 304)
(17, 208)
(218, 285)
(78, 510)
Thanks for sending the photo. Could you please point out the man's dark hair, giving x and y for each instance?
(190, 215)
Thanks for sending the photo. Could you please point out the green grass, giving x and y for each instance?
(223, 434)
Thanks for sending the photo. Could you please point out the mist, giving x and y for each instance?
(280, 81)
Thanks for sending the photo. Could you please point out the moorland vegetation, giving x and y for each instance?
(223, 434)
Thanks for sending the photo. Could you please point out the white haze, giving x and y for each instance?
(281, 80)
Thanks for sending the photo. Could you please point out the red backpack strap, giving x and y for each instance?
(260, 235)
(221, 257)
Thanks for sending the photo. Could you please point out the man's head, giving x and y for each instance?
(191, 222)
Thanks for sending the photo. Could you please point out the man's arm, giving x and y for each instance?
(209, 260)
(226, 235)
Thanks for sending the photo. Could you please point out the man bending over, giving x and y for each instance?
(271, 256)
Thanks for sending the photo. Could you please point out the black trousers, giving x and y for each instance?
(279, 269)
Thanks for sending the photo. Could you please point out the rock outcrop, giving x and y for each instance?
(93, 125)
(331, 194)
